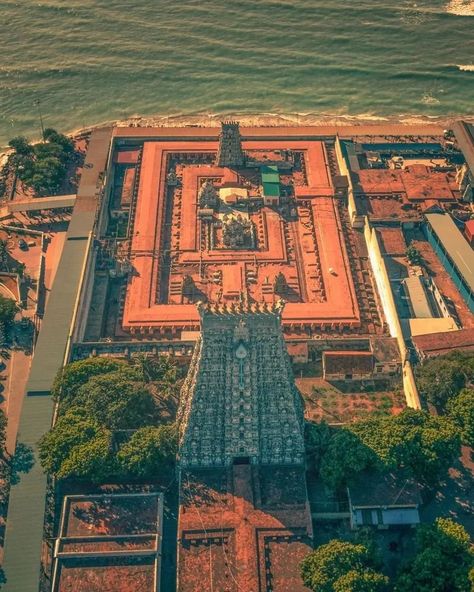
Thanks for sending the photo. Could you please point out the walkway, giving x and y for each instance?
(24, 533)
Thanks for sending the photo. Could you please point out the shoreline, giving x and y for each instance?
(269, 120)
(261, 120)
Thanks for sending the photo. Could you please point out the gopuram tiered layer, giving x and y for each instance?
(239, 398)
(244, 520)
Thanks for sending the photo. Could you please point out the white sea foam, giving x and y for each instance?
(429, 99)
(466, 67)
(461, 7)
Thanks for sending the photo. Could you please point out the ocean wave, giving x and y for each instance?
(461, 7)
(465, 67)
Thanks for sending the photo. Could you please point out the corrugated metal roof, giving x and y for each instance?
(52, 339)
(418, 298)
(454, 244)
(270, 174)
(271, 189)
(42, 203)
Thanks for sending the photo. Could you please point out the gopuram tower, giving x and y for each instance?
(230, 152)
(239, 402)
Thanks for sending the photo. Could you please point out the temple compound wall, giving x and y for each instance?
(239, 400)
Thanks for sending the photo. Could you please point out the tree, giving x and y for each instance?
(338, 565)
(116, 402)
(76, 446)
(346, 456)
(317, 437)
(152, 368)
(149, 452)
(57, 139)
(361, 581)
(443, 560)
(70, 378)
(8, 310)
(43, 166)
(413, 255)
(3, 431)
(21, 145)
(461, 411)
(421, 444)
(441, 379)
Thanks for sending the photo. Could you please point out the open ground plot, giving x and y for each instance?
(340, 402)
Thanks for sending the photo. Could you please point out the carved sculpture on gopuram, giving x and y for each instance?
(230, 152)
(239, 400)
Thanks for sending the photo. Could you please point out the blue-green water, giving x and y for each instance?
(89, 61)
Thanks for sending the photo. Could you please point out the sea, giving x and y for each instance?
(79, 63)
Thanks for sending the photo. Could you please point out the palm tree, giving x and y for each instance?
(155, 368)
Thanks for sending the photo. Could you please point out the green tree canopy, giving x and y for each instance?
(340, 566)
(76, 446)
(8, 310)
(42, 166)
(100, 396)
(21, 145)
(361, 581)
(280, 285)
(413, 255)
(443, 560)
(421, 444)
(151, 451)
(151, 368)
(442, 378)
(116, 402)
(70, 378)
(461, 411)
(346, 456)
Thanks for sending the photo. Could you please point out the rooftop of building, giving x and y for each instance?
(392, 240)
(348, 362)
(384, 490)
(385, 349)
(438, 344)
(109, 543)
(416, 182)
(455, 244)
(254, 524)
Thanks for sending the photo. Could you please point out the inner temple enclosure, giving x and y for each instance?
(266, 230)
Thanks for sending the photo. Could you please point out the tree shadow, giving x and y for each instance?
(22, 462)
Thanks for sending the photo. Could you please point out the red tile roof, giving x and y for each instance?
(348, 362)
(437, 344)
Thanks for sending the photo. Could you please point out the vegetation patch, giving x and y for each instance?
(115, 420)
